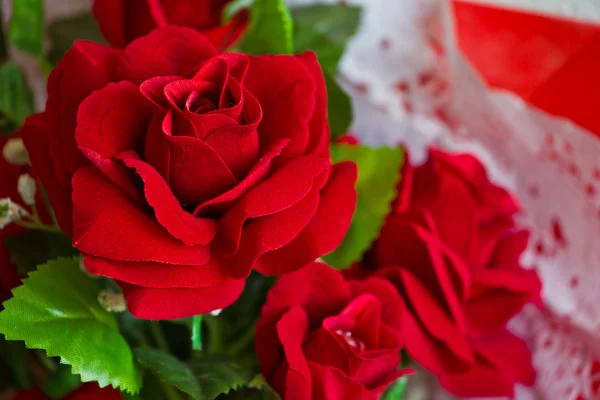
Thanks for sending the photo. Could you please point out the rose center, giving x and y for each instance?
(352, 340)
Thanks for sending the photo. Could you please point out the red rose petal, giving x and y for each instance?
(283, 189)
(108, 224)
(111, 120)
(67, 88)
(255, 176)
(391, 302)
(156, 304)
(271, 232)
(319, 126)
(166, 51)
(156, 275)
(180, 223)
(434, 318)
(291, 329)
(285, 89)
(325, 231)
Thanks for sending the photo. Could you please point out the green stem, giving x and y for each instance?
(242, 342)
(197, 332)
(37, 226)
(215, 334)
(158, 336)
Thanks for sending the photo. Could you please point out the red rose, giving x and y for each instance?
(87, 391)
(122, 21)
(190, 168)
(323, 338)
(452, 249)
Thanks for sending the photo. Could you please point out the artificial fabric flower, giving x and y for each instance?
(122, 21)
(451, 247)
(321, 337)
(187, 168)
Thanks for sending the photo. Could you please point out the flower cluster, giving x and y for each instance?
(169, 178)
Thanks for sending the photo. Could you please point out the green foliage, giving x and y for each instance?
(13, 364)
(66, 31)
(217, 375)
(170, 370)
(325, 29)
(33, 248)
(396, 390)
(270, 30)
(339, 108)
(16, 100)
(56, 309)
(233, 7)
(61, 382)
(27, 26)
(378, 175)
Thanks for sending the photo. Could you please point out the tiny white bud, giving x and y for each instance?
(112, 302)
(215, 313)
(15, 153)
(26, 188)
(10, 212)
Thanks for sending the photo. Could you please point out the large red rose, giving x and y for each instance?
(122, 21)
(321, 337)
(187, 168)
(88, 391)
(452, 249)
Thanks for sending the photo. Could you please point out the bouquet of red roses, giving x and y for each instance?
(187, 210)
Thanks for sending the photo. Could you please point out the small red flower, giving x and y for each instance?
(321, 337)
(451, 248)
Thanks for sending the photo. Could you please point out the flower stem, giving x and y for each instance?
(197, 332)
(37, 226)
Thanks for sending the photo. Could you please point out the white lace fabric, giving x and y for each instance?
(410, 85)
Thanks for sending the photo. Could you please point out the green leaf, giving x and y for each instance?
(325, 29)
(270, 30)
(396, 389)
(378, 175)
(234, 7)
(217, 375)
(56, 309)
(339, 108)
(169, 370)
(27, 26)
(33, 248)
(16, 100)
(61, 382)
(63, 33)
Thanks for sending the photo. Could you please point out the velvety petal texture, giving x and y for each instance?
(328, 338)
(177, 170)
(451, 248)
(122, 21)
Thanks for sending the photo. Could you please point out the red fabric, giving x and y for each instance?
(122, 21)
(322, 337)
(87, 391)
(551, 63)
(451, 248)
(9, 175)
(177, 170)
